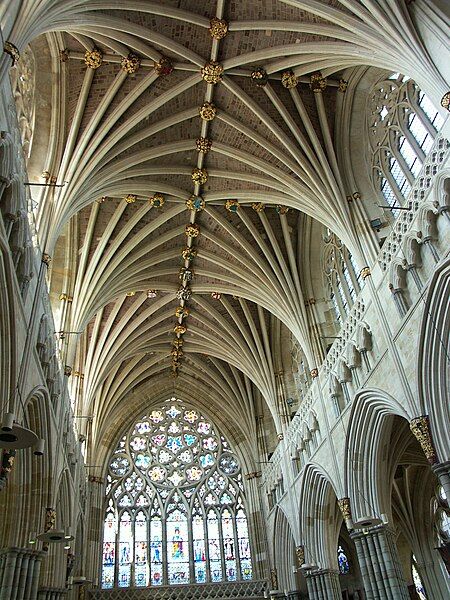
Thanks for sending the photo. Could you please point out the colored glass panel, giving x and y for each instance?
(171, 456)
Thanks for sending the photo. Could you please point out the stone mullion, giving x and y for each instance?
(117, 557)
(191, 549)
(222, 551)
(133, 544)
(165, 562)
(149, 543)
(205, 534)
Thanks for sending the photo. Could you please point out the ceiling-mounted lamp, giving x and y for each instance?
(80, 580)
(13, 436)
(309, 567)
(366, 522)
(52, 536)
(8, 421)
(39, 447)
(57, 536)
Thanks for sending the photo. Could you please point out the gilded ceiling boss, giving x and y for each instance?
(224, 281)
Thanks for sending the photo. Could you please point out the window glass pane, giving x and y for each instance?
(341, 294)
(420, 133)
(244, 545)
(399, 177)
(177, 548)
(228, 545)
(411, 158)
(125, 550)
(418, 582)
(354, 267)
(215, 564)
(396, 110)
(428, 108)
(344, 567)
(167, 478)
(140, 551)
(349, 282)
(198, 537)
(109, 549)
(156, 551)
(335, 307)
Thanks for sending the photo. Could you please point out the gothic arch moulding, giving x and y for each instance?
(434, 361)
(368, 431)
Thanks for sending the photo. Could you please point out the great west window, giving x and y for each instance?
(175, 505)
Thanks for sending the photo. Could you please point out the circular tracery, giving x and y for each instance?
(174, 447)
(175, 497)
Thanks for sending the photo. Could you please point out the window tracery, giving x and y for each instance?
(175, 510)
(343, 280)
(402, 125)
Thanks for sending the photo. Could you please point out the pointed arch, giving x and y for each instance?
(434, 359)
(366, 437)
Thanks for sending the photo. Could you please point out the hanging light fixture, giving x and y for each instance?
(14, 437)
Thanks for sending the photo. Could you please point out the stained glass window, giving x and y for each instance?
(417, 580)
(343, 564)
(175, 506)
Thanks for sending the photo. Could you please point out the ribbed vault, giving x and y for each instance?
(136, 130)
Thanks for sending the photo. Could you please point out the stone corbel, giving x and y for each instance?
(420, 427)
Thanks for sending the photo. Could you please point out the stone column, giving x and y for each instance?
(428, 242)
(95, 527)
(379, 564)
(323, 584)
(19, 573)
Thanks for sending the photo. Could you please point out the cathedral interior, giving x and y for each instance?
(224, 292)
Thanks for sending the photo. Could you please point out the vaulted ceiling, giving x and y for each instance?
(156, 104)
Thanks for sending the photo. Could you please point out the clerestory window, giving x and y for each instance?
(402, 125)
(342, 278)
(175, 504)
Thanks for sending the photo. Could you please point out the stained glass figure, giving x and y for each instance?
(228, 545)
(140, 551)
(167, 478)
(198, 536)
(125, 550)
(215, 563)
(417, 581)
(109, 547)
(343, 564)
(244, 544)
